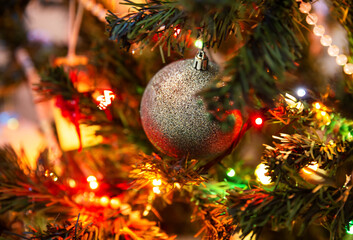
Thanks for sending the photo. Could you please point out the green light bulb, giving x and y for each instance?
(230, 172)
(199, 44)
(350, 229)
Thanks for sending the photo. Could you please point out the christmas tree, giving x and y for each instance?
(163, 119)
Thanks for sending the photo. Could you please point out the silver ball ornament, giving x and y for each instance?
(175, 118)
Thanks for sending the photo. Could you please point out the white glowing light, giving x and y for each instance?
(91, 178)
(199, 44)
(301, 92)
(157, 182)
(156, 190)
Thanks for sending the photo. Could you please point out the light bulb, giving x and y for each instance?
(333, 50)
(104, 201)
(157, 182)
(311, 19)
(258, 121)
(156, 190)
(261, 174)
(91, 178)
(230, 172)
(350, 229)
(115, 203)
(301, 92)
(348, 68)
(341, 59)
(93, 185)
(199, 44)
(326, 40)
(319, 30)
(317, 105)
(305, 7)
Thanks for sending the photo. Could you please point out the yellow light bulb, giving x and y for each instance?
(317, 105)
(156, 190)
(115, 203)
(311, 19)
(333, 51)
(305, 7)
(341, 59)
(91, 178)
(261, 174)
(93, 185)
(319, 30)
(326, 40)
(348, 68)
(104, 201)
(157, 182)
(72, 183)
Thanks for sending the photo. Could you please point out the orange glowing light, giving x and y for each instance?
(91, 178)
(115, 203)
(93, 185)
(157, 182)
(105, 100)
(72, 183)
(317, 105)
(156, 190)
(104, 201)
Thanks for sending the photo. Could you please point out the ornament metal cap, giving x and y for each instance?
(200, 61)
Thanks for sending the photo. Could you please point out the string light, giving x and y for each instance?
(230, 172)
(114, 203)
(350, 229)
(317, 105)
(72, 183)
(348, 68)
(92, 180)
(104, 201)
(326, 40)
(199, 44)
(261, 174)
(156, 183)
(301, 92)
(93, 185)
(258, 121)
(156, 190)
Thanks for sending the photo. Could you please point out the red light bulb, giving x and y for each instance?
(258, 121)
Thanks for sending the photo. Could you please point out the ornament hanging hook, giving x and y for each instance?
(200, 61)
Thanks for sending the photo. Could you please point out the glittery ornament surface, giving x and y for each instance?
(175, 118)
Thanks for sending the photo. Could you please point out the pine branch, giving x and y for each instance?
(296, 207)
(297, 151)
(156, 22)
(44, 195)
(269, 51)
(301, 195)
